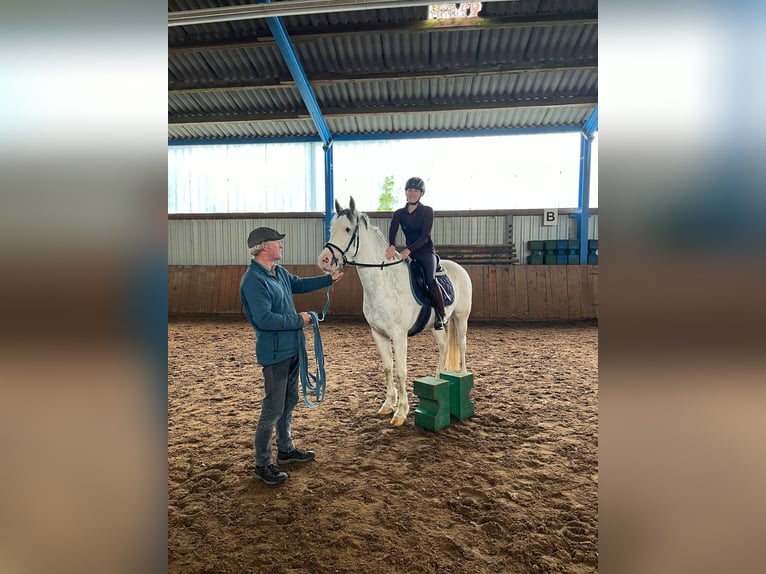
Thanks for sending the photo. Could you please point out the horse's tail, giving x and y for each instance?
(453, 351)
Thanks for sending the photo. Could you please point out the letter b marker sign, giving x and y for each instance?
(550, 217)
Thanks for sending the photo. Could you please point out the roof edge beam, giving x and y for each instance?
(379, 136)
(292, 8)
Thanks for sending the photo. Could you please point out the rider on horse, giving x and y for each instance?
(416, 221)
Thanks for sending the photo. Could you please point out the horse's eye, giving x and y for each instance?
(348, 230)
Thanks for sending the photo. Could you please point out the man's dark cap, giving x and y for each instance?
(261, 234)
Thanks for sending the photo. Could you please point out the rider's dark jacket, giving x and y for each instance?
(416, 227)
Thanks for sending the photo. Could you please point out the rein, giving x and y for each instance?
(381, 265)
(314, 384)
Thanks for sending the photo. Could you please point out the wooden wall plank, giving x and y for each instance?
(354, 304)
(491, 291)
(179, 291)
(593, 289)
(231, 301)
(586, 293)
(520, 303)
(520, 292)
(476, 272)
(574, 307)
(536, 292)
(504, 287)
(206, 286)
(558, 300)
(217, 292)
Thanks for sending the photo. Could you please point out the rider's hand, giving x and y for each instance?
(390, 252)
(306, 318)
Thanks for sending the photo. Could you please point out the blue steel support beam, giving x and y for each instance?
(329, 195)
(583, 203)
(384, 136)
(583, 196)
(287, 50)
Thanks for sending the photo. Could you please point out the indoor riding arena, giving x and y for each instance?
(279, 118)
(512, 488)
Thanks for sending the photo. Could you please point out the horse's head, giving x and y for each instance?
(344, 237)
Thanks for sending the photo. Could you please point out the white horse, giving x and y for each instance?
(389, 305)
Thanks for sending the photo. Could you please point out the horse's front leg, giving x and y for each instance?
(442, 342)
(384, 348)
(400, 364)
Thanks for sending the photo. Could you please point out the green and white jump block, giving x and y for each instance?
(441, 398)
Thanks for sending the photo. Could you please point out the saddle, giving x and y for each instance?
(423, 297)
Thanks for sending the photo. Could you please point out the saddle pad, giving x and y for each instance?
(417, 284)
(419, 289)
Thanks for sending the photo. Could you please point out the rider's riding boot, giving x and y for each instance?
(438, 299)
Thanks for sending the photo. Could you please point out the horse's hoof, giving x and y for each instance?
(384, 410)
(397, 421)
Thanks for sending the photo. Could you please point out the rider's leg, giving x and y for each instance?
(438, 299)
(429, 270)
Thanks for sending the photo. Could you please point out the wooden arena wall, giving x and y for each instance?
(518, 292)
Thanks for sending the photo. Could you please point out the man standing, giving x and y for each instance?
(266, 291)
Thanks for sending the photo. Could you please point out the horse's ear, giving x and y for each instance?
(337, 207)
(352, 205)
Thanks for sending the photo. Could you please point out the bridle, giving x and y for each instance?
(354, 242)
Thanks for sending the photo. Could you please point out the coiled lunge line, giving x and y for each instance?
(314, 384)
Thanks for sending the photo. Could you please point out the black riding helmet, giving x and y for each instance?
(416, 183)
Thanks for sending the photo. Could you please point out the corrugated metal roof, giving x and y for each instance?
(527, 64)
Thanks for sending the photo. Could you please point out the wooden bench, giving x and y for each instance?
(502, 254)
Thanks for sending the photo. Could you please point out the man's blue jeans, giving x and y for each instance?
(279, 401)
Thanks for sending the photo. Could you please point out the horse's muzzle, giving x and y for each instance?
(327, 261)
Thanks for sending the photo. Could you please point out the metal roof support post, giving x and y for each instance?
(583, 199)
(287, 50)
(583, 202)
(329, 190)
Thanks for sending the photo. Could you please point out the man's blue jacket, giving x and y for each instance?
(269, 307)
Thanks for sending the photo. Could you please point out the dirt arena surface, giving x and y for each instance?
(512, 489)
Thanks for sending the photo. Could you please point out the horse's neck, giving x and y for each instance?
(372, 249)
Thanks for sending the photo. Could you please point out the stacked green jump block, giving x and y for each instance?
(551, 245)
(555, 252)
(433, 410)
(573, 252)
(592, 251)
(536, 250)
(441, 398)
(460, 406)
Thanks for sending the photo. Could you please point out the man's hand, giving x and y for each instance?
(336, 275)
(390, 252)
(306, 318)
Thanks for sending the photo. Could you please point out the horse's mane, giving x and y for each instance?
(363, 219)
(354, 215)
